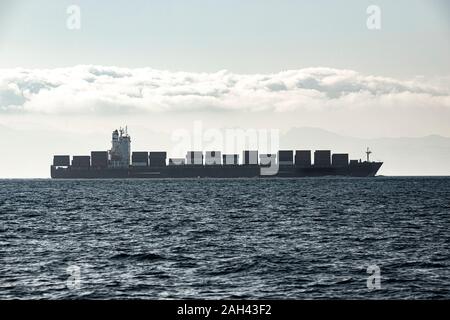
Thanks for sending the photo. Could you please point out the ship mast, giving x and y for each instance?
(368, 152)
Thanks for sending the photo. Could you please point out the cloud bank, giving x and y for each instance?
(112, 90)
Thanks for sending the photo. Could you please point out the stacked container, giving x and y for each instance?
(158, 158)
(250, 157)
(285, 157)
(230, 159)
(81, 161)
(139, 159)
(61, 161)
(303, 158)
(213, 158)
(339, 160)
(99, 159)
(194, 158)
(322, 158)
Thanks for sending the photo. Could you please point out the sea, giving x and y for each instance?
(307, 238)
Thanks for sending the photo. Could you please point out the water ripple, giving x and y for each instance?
(216, 238)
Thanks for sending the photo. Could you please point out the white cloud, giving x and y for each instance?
(111, 90)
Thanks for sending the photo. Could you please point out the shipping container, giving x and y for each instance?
(322, 158)
(339, 159)
(139, 158)
(158, 154)
(61, 161)
(157, 158)
(303, 158)
(99, 159)
(213, 158)
(81, 161)
(250, 157)
(230, 159)
(157, 162)
(194, 158)
(286, 157)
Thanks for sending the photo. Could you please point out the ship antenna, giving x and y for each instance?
(368, 152)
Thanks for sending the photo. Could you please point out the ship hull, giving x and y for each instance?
(361, 169)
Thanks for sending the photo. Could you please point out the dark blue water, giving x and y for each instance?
(201, 238)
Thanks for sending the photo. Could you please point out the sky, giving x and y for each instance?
(253, 36)
(162, 66)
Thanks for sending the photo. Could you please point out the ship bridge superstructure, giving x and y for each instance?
(119, 154)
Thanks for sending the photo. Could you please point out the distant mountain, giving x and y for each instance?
(428, 155)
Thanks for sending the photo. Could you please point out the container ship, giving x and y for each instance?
(119, 162)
